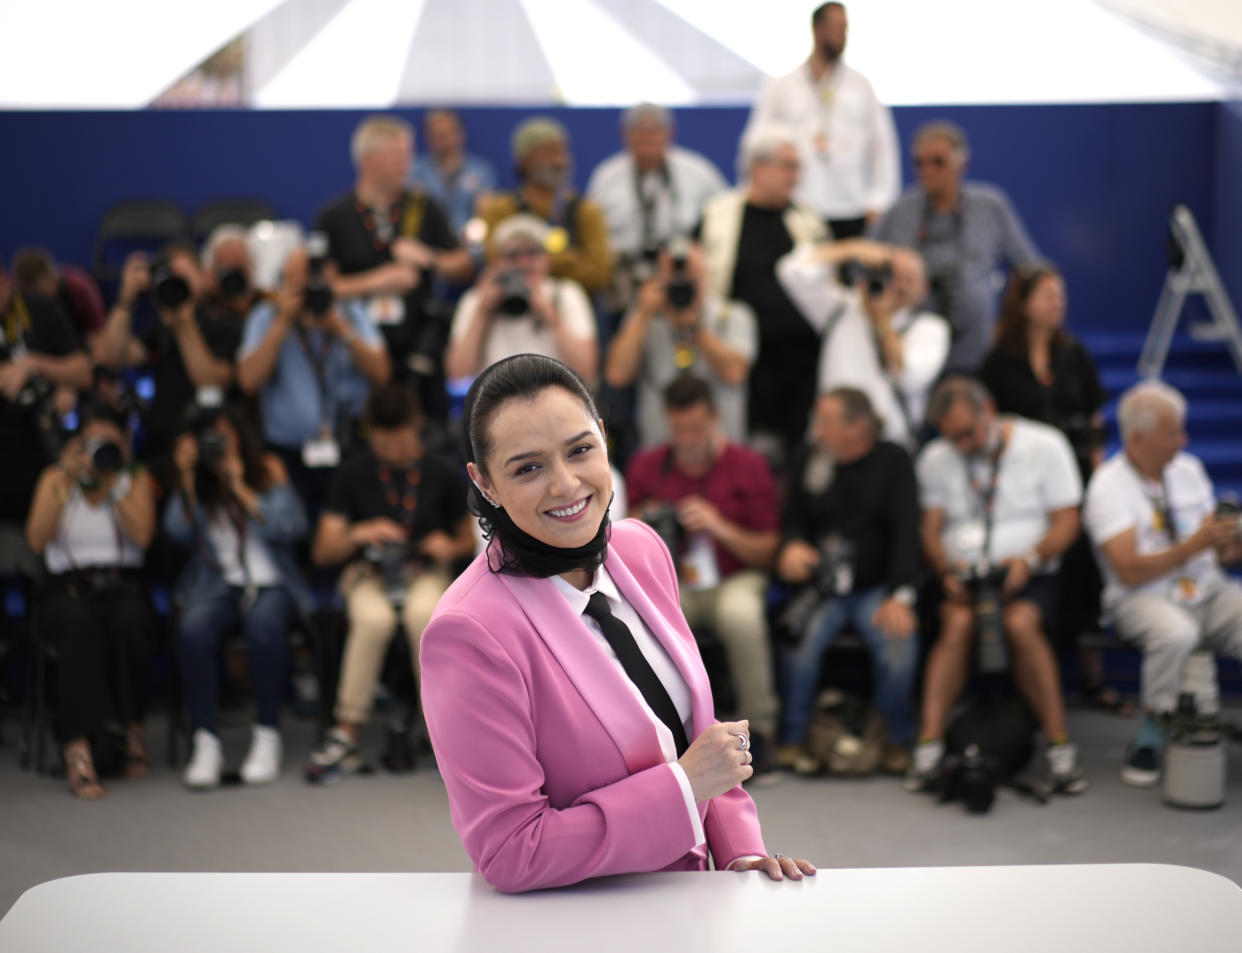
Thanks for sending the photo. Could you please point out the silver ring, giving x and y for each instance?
(779, 856)
(744, 741)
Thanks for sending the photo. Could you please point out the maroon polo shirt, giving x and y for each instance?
(739, 484)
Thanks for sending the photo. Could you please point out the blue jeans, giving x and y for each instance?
(893, 663)
(266, 625)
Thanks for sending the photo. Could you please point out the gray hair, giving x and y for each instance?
(952, 389)
(1140, 406)
(954, 134)
(763, 144)
(646, 113)
(373, 132)
(222, 235)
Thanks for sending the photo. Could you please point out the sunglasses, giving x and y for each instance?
(937, 162)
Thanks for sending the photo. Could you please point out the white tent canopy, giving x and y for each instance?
(378, 53)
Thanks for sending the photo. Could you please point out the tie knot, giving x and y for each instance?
(597, 606)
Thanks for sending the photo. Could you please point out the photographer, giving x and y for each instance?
(715, 505)
(674, 327)
(92, 518)
(876, 337)
(851, 539)
(192, 346)
(1161, 538)
(398, 516)
(516, 308)
(311, 360)
(1000, 502)
(38, 353)
(239, 518)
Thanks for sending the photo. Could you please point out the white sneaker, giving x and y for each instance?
(262, 764)
(926, 760)
(206, 762)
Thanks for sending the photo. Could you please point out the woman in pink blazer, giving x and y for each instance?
(557, 765)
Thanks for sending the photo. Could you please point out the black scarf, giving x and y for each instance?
(521, 554)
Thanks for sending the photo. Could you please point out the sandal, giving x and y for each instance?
(83, 782)
(1103, 698)
(136, 763)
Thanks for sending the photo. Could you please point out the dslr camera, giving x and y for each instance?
(984, 582)
(834, 576)
(395, 565)
(168, 288)
(663, 519)
(317, 295)
(877, 278)
(680, 288)
(212, 447)
(106, 456)
(514, 293)
(1230, 508)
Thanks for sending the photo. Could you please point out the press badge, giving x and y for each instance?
(321, 452)
(385, 309)
(698, 565)
(969, 539)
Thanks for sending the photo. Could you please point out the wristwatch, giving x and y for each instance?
(905, 596)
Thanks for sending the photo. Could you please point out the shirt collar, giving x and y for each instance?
(578, 598)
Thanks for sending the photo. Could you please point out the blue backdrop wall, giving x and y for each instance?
(1094, 183)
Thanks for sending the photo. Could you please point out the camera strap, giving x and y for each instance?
(318, 359)
(985, 493)
(647, 202)
(1161, 504)
(401, 492)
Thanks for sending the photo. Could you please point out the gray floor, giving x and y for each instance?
(389, 823)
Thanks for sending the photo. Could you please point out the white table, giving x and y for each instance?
(1127, 908)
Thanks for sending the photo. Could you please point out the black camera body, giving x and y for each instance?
(232, 283)
(1230, 508)
(514, 293)
(972, 777)
(984, 582)
(663, 519)
(395, 564)
(680, 289)
(877, 278)
(168, 288)
(106, 456)
(834, 576)
(317, 296)
(212, 448)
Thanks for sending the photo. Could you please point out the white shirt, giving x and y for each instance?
(259, 570)
(89, 537)
(1119, 498)
(1036, 477)
(676, 196)
(849, 155)
(850, 357)
(522, 334)
(661, 663)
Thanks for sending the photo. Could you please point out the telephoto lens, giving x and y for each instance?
(106, 456)
(170, 290)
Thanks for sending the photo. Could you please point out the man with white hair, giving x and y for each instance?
(517, 308)
(852, 174)
(1151, 514)
(652, 192)
(877, 337)
(390, 242)
(743, 234)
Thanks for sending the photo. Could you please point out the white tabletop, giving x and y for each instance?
(1127, 908)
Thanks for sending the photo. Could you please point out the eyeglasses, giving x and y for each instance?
(937, 161)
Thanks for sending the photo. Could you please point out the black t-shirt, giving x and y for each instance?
(174, 391)
(45, 330)
(1068, 403)
(782, 380)
(358, 241)
(363, 489)
(874, 504)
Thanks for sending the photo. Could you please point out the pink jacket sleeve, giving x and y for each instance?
(488, 755)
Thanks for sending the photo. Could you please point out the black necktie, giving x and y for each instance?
(637, 668)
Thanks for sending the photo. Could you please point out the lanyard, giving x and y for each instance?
(380, 229)
(318, 361)
(985, 493)
(1161, 503)
(401, 492)
(647, 202)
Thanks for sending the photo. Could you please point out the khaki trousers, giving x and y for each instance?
(372, 622)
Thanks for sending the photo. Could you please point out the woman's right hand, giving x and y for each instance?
(73, 462)
(716, 762)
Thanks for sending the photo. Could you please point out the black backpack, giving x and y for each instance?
(989, 742)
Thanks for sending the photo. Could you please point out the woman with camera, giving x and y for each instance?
(239, 517)
(1039, 371)
(92, 518)
(569, 710)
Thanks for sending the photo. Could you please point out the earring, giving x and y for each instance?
(490, 501)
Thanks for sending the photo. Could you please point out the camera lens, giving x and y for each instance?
(317, 297)
(106, 456)
(232, 282)
(171, 290)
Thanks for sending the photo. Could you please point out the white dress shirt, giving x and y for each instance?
(849, 155)
(661, 663)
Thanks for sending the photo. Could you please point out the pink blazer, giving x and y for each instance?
(553, 768)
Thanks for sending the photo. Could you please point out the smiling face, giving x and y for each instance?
(547, 466)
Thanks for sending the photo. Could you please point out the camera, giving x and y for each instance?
(834, 576)
(392, 563)
(1230, 508)
(970, 777)
(514, 293)
(663, 519)
(106, 456)
(232, 283)
(168, 288)
(317, 296)
(680, 289)
(984, 583)
(877, 278)
(212, 447)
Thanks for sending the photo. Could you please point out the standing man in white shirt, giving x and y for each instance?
(851, 172)
(866, 296)
(651, 193)
(1151, 513)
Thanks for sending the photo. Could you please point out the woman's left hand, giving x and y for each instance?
(779, 867)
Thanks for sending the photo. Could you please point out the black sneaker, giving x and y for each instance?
(398, 757)
(333, 759)
(1141, 768)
